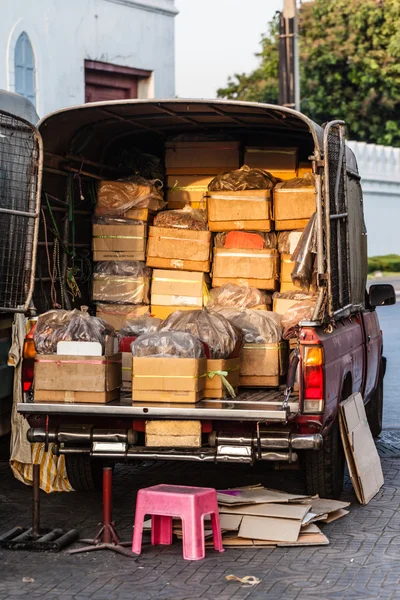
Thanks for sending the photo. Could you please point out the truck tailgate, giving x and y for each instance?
(255, 405)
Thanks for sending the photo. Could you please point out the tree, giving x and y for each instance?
(349, 67)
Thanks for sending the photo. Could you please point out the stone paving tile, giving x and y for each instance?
(361, 562)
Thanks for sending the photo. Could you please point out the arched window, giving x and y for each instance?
(25, 68)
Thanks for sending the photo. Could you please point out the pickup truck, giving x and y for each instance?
(340, 348)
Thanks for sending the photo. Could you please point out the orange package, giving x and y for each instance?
(243, 239)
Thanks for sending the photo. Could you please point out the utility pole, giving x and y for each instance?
(289, 76)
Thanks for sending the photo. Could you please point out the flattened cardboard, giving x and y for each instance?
(360, 450)
(215, 387)
(202, 157)
(181, 249)
(168, 379)
(187, 189)
(314, 539)
(256, 495)
(257, 267)
(269, 528)
(117, 314)
(279, 511)
(263, 364)
(241, 210)
(71, 397)
(57, 372)
(177, 288)
(119, 242)
(271, 158)
(173, 434)
(334, 516)
(293, 207)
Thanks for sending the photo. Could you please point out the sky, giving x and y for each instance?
(215, 39)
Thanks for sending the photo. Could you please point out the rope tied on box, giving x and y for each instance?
(225, 382)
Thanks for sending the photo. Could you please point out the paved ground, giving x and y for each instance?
(362, 561)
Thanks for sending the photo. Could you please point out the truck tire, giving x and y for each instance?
(84, 473)
(374, 408)
(324, 469)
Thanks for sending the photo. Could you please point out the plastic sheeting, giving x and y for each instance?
(168, 344)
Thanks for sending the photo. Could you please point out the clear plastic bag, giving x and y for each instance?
(186, 218)
(223, 339)
(244, 178)
(294, 295)
(121, 282)
(298, 182)
(245, 239)
(288, 241)
(258, 326)
(115, 221)
(139, 326)
(118, 197)
(301, 311)
(240, 297)
(68, 326)
(167, 344)
(303, 257)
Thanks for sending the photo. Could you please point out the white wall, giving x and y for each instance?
(63, 33)
(379, 167)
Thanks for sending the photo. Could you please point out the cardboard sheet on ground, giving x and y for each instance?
(283, 511)
(362, 457)
(257, 495)
(271, 529)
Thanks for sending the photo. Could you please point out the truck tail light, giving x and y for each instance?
(313, 380)
(29, 354)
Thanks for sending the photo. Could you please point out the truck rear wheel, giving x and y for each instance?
(374, 408)
(324, 469)
(84, 473)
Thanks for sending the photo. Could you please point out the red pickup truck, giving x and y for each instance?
(340, 349)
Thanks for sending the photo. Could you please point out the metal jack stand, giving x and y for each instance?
(107, 538)
(35, 538)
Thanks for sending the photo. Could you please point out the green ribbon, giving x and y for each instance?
(225, 382)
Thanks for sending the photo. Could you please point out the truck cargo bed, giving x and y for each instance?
(254, 405)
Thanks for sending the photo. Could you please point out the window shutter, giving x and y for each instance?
(25, 68)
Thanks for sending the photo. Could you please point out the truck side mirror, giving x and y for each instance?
(381, 295)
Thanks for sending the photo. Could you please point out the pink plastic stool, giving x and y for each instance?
(191, 504)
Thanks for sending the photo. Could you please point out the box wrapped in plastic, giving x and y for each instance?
(68, 325)
(186, 218)
(288, 240)
(258, 326)
(240, 297)
(303, 257)
(244, 178)
(168, 344)
(301, 311)
(223, 339)
(245, 239)
(116, 198)
(124, 282)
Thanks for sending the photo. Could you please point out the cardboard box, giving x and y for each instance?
(168, 379)
(126, 385)
(121, 288)
(76, 378)
(188, 189)
(162, 312)
(286, 268)
(270, 158)
(117, 314)
(244, 210)
(304, 168)
(201, 157)
(119, 242)
(113, 196)
(293, 207)
(173, 434)
(263, 364)
(182, 249)
(281, 305)
(177, 288)
(215, 387)
(140, 214)
(256, 268)
(287, 286)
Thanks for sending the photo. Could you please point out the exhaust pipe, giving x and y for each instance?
(274, 440)
(81, 435)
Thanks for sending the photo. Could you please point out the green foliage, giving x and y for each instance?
(388, 264)
(349, 67)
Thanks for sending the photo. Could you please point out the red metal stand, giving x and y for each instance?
(107, 538)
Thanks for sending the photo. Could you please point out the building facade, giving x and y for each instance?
(62, 53)
(379, 167)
